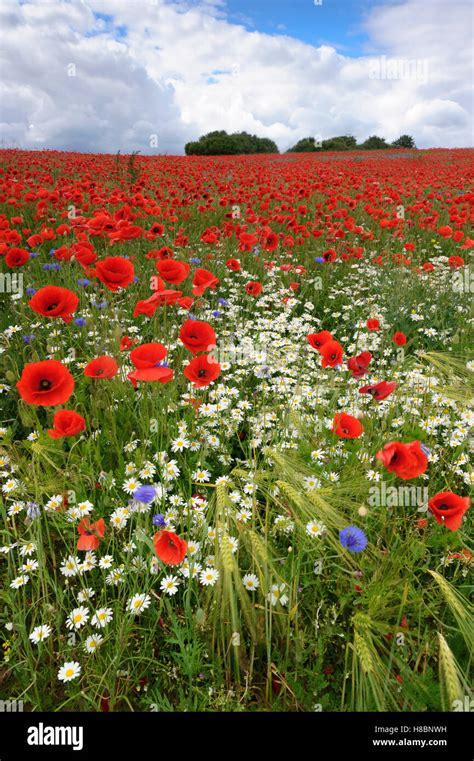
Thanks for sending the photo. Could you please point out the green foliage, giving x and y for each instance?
(374, 143)
(340, 143)
(219, 143)
(305, 145)
(404, 141)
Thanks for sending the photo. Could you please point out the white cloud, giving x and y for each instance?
(179, 70)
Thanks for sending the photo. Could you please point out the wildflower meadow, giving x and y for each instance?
(236, 420)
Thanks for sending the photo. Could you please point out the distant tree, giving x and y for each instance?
(374, 143)
(267, 146)
(219, 143)
(340, 143)
(404, 141)
(305, 145)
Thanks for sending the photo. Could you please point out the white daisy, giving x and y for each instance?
(179, 444)
(193, 548)
(85, 594)
(250, 582)
(138, 603)
(92, 643)
(16, 508)
(131, 485)
(106, 561)
(69, 671)
(9, 486)
(102, 617)
(315, 529)
(277, 594)
(70, 566)
(209, 576)
(169, 585)
(77, 618)
(27, 549)
(201, 475)
(20, 581)
(40, 633)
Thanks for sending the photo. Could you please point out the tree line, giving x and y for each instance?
(219, 143)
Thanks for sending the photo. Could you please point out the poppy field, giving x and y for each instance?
(236, 420)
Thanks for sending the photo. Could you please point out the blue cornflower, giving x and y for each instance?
(84, 282)
(32, 510)
(223, 302)
(34, 254)
(30, 291)
(353, 539)
(100, 304)
(216, 313)
(159, 520)
(195, 260)
(319, 259)
(162, 363)
(52, 252)
(144, 494)
(28, 339)
(425, 450)
(80, 322)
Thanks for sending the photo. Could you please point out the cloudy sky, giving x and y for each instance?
(149, 75)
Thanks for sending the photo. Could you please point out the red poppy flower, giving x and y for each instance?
(373, 324)
(448, 509)
(102, 367)
(380, 390)
(160, 253)
(201, 371)
(66, 423)
(233, 264)
(455, 262)
(247, 241)
(316, 340)
(421, 523)
(399, 338)
(445, 231)
(16, 257)
(186, 302)
(406, 460)
(151, 374)
(359, 365)
(254, 288)
(148, 355)
(202, 280)
(329, 255)
(269, 240)
(53, 301)
(45, 383)
(347, 426)
(84, 253)
(90, 534)
(150, 305)
(331, 353)
(197, 336)
(169, 547)
(115, 272)
(126, 343)
(173, 271)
